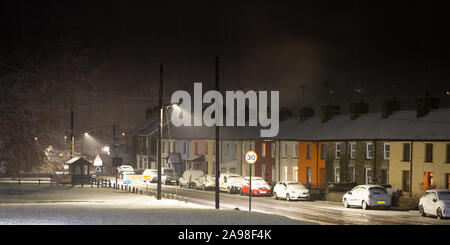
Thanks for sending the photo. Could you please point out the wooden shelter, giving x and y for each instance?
(79, 170)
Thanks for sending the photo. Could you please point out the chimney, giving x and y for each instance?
(285, 113)
(426, 104)
(306, 112)
(151, 113)
(389, 106)
(358, 108)
(328, 111)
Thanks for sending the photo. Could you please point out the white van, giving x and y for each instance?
(230, 183)
(190, 177)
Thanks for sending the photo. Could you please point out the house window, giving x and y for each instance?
(263, 149)
(336, 175)
(406, 152)
(429, 152)
(368, 150)
(250, 146)
(308, 152)
(163, 146)
(352, 173)
(184, 148)
(369, 176)
(196, 147)
(353, 150)
(387, 151)
(308, 175)
(338, 150)
(285, 150)
(214, 147)
(272, 148)
(323, 152)
(228, 148)
(295, 150)
(206, 148)
(174, 147)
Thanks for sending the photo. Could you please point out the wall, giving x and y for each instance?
(439, 167)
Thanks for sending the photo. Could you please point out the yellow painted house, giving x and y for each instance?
(430, 166)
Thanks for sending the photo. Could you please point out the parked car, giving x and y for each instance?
(189, 178)
(152, 175)
(259, 187)
(230, 183)
(435, 202)
(367, 196)
(124, 170)
(169, 177)
(207, 181)
(290, 190)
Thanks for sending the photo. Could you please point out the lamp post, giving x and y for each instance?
(158, 188)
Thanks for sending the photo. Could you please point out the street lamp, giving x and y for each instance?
(158, 188)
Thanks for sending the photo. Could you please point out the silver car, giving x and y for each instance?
(367, 196)
(435, 202)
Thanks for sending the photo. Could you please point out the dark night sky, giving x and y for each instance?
(380, 47)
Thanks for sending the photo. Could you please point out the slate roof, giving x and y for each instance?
(400, 126)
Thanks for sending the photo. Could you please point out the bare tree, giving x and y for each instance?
(39, 84)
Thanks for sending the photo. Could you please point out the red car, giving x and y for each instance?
(259, 187)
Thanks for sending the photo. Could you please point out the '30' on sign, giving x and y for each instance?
(251, 157)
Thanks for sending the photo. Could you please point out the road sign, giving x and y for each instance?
(98, 161)
(251, 157)
(133, 177)
(98, 169)
(127, 182)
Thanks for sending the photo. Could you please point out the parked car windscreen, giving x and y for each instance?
(296, 185)
(445, 195)
(377, 190)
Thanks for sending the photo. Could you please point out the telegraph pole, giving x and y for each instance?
(158, 189)
(217, 141)
(72, 140)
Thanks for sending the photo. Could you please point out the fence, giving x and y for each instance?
(95, 182)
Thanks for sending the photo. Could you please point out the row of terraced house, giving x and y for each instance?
(408, 149)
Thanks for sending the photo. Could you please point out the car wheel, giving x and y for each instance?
(421, 211)
(275, 196)
(346, 204)
(229, 190)
(439, 213)
(364, 205)
(288, 198)
(203, 188)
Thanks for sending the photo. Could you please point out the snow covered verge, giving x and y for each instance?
(92, 206)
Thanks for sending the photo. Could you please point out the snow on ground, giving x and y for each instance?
(31, 204)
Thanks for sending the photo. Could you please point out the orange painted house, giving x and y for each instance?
(311, 164)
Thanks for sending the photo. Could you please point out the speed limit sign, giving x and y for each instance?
(251, 157)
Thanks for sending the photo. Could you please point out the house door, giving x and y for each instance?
(263, 171)
(405, 181)
(273, 173)
(448, 181)
(322, 178)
